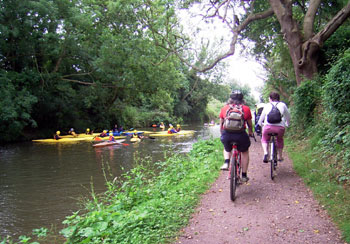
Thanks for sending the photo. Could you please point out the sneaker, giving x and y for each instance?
(266, 160)
(244, 179)
(280, 160)
(224, 166)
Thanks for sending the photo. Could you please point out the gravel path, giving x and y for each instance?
(265, 211)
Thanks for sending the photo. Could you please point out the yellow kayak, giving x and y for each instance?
(135, 139)
(81, 135)
(165, 133)
(76, 139)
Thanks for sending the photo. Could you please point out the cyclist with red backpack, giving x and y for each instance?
(275, 117)
(233, 119)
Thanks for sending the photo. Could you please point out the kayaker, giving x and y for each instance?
(88, 131)
(111, 137)
(103, 133)
(116, 129)
(57, 135)
(136, 135)
(162, 126)
(71, 132)
(171, 129)
(178, 127)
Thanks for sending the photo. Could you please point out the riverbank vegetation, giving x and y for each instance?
(148, 207)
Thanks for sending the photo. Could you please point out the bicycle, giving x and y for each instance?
(273, 154)
(234, 171)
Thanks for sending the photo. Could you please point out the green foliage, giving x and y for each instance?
(15, 105)
(213, 109)
(321, 110)
(305, 100)
(336, 101)
(148, 208)
(139, 117)
(91, 64)
(334, 47)
(281, 76)
(336, 91)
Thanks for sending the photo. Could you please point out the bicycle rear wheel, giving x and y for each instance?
(273, 157)
(233, 178)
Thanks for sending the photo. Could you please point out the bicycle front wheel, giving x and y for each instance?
(233, 178)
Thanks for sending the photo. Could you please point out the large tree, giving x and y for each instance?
(303, 24)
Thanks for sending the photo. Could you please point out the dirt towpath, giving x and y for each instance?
(265, 211)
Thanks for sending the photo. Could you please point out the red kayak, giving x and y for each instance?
(108, 143)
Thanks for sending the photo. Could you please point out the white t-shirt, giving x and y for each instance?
(283, 110)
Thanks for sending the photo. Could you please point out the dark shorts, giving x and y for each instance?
(241, 139)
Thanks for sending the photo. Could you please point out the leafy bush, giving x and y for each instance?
(334, 124)
(139, 117)
(336, 91)
(15, 105)
(305, 98)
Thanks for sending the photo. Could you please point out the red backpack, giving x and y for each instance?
(234, 119)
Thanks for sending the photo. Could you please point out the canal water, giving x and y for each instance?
(42, 183)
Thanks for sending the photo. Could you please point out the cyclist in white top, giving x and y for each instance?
(278, 128)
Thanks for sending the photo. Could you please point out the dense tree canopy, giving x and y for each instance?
(86, 63)
(303, 25)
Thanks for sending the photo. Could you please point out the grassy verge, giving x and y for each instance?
(148, 208)
(318, 173)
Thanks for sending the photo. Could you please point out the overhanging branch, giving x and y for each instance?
(332, 25)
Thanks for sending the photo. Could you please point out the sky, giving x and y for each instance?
(247, 71)
(243, 69)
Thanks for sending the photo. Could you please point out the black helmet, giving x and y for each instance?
(236, 95)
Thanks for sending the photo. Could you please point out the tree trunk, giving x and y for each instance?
(304, 50)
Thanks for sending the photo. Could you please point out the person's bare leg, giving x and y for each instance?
(266, 151)
(265, 147)
(227, 156)
(245, 161)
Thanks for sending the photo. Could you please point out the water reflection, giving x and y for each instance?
(40, 183)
